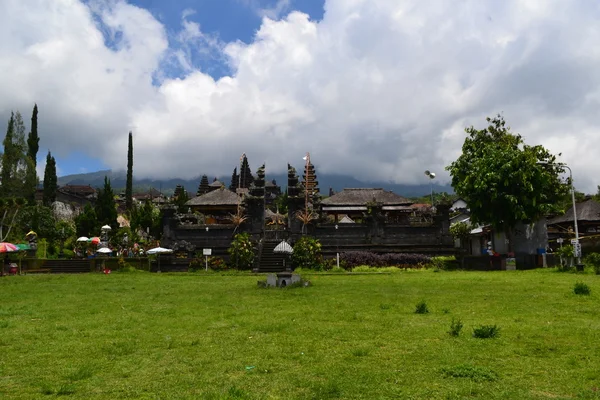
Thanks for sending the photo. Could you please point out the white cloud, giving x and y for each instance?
(381, 90)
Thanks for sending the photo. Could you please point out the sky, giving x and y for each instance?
(378, 89)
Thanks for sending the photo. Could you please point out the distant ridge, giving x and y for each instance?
(167, 186)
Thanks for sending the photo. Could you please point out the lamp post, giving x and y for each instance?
(577, 247)
(431, 176)
(337, 248)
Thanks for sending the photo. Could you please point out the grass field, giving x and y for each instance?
(186, 336)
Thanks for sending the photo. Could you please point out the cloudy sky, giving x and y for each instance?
(381, 89)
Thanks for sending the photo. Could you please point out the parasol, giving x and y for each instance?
(7, 247)
(158, 251)
(83, 239)
(283, 247)
(104, 250)
(94, 240)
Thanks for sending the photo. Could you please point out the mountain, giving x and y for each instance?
(167, 186)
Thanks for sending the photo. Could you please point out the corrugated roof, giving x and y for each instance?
(588, 210)
(219, 197)
(362, 196)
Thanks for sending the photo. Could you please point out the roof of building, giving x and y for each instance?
(588, 210)
(216, 183)
(362, 196)
(219, 197)
(78, 189)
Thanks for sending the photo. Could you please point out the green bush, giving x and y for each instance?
(364, 268)
(421, 308)
(307, 254)
(455, 327)
(241, 252)
(477, 374)
(486, 332)
(582, 289)
(593, 259)
(444, 263)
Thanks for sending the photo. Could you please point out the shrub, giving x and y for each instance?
(214, 264)
(582, 289)
(307, 254)
(241, 252)
(593, 259)
(444, 263)
(353, 259)
(363, 268)
(455, 327)
(486, 332)
(421, 308)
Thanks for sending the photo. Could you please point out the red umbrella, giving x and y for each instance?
(7, 247)
(95, 240)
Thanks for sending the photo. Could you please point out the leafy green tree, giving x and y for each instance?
(86, 223)
(9, 210)
(180, 197)
(50, 181)
(106, 207)
(241, 252)
(501, 178)
(129, 184)
(39, 219)
(146, 218)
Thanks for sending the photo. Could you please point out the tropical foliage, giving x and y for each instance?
(307, 253)
(241, 252)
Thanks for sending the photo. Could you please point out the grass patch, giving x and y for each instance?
(191, 336)
(477, 374)
(455, 327)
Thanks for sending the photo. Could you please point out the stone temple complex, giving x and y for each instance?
(368, 219)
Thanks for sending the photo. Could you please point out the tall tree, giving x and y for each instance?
(203, 188)
(33, 140)
(502, 179)
(106, 206)
(86, 222)
(129, 184)
(8, 159)
(180, 197)
(235, 180)
(50, 181)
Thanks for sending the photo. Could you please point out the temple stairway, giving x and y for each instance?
(271, 262)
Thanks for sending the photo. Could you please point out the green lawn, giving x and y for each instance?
(186, 336)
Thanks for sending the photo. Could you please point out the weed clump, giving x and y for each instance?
(477, 374)
(455, 327)
(486, 332)
(582, 289)
(421, 308)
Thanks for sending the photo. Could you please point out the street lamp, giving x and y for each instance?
(577, 248)
(431, 176)
(337, 248)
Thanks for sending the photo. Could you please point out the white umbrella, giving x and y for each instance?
(106, 228)
(283, 247)
(83, 239)
(158, 251)
(104, 250)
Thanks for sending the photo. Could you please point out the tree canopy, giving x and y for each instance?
(504, 180)
(129, 183)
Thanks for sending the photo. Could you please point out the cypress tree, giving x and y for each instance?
(33, 140)
(203, 188)
(106, 207)
(235, 180)
(8, 160)
(129, 184)
(50, 181)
